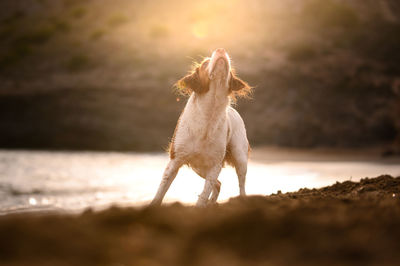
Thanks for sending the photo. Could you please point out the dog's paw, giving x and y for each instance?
(201, 202)
(212, 203)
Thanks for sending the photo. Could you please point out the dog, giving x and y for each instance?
(209, 132)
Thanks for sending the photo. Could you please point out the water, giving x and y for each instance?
(73, 181)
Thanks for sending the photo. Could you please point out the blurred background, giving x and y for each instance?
(99, 75)
(88, 106)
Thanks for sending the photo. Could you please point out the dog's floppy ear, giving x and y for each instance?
(238, 87)
(191, 83)
(236, 84)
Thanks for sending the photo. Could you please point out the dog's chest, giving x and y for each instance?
(199, 138)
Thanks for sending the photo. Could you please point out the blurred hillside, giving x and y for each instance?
(97, 74)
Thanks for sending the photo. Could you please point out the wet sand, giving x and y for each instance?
(347, 223)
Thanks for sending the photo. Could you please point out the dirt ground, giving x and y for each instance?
(349, 223)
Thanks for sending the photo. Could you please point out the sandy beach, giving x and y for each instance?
(348, 223)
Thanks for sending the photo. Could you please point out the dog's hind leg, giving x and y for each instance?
(169, 175)
(241, 170)
(239, 148)
(210, 184)
(215, 191)
(240, 158)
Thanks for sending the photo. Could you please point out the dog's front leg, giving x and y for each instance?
(211, 182)
(215, 192)
(169, 175)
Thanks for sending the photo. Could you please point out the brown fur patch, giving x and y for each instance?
(239, 88)
(197, 81)
(248, 149)
(228, 159)
(171, 148)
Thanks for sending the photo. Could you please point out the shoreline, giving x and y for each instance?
(266, 154)
(130, 179)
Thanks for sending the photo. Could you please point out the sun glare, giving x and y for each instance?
(200, 30)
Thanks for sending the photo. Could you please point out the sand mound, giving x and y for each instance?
(346, 223)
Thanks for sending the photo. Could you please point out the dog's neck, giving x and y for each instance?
(210, 107)
(215, 100)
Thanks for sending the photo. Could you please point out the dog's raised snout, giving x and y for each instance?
(220, 51)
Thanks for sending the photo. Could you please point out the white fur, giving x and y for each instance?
(207, 127)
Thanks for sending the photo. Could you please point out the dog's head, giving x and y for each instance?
(214, 70)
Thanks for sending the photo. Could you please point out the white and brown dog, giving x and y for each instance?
(209, 131)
